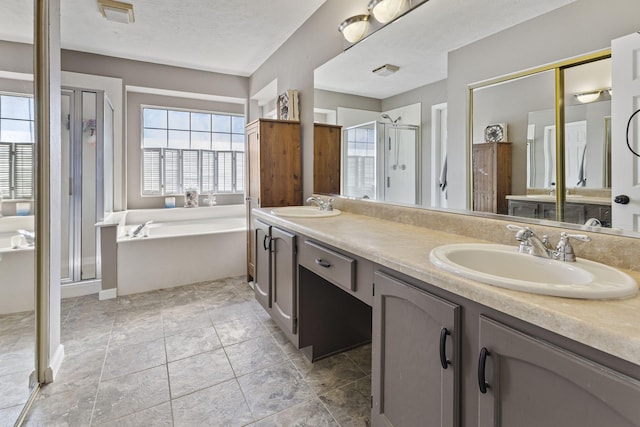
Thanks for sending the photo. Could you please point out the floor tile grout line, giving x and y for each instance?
(166, 360)
(104, 363)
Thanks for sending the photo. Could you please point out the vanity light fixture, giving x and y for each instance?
(610, 91)
(353, 29)
(385, 70)
(117, 11)
(386, 10)
(587, 97)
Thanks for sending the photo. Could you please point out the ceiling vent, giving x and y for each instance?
(117, 11)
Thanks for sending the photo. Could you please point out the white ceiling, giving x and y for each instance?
(237, 36)
(419, 42)
(226, 36)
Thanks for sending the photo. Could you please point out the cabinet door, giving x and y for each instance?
(523, 209)
(410, 385)
(283, 279)
(532, 383)
(262, 259)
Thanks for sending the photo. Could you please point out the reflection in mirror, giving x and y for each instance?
(381, 161)
(529, 120)
(17, 240)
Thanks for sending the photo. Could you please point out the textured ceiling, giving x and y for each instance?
(227, 36)
(419, 43)
(237, 36)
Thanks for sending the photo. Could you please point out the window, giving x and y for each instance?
(191, 150)
(17, 142)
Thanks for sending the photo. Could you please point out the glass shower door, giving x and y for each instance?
(87, 163)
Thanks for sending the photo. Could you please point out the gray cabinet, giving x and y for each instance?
(532, 383)
(283, 280)
(275, 275)
(415, 356)
(262, 261)
(574, 213)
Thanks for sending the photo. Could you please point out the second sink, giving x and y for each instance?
(504, 266)
(304, 212)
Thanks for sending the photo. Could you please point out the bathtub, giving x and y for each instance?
(17, 268)
(180, 246)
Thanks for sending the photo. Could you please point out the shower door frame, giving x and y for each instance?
(76, 183)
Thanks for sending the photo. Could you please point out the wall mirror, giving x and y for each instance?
(346, 87)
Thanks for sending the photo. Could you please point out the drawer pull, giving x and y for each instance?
(443, 352)
(482, 362)
(323, 263)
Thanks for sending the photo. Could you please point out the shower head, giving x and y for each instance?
(386, 116)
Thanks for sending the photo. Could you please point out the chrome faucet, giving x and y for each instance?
(531, 244)
(323, 204)
(139, 228)
(29, 236)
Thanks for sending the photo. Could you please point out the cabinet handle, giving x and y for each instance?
(323, 263)
(443, 351)
(482, 362)
(265, 245)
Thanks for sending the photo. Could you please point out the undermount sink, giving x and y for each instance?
(304, 212)
(504, 266)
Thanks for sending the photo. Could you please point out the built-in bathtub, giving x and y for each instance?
(180, 246)
(17, 268)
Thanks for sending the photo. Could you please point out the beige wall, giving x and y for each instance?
(135, 101)
(581, 27)
(181, 88)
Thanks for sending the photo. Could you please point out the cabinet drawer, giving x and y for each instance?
(326, 263)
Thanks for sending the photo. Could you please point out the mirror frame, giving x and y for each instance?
(558, 68)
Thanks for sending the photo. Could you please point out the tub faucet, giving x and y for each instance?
(323, 204)
(139, 228)
(29, 236)
(531, 244)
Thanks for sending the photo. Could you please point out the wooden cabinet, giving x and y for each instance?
(326, 158)
(415, 356)
(532, 383)
(273, 171)
(491, 176)
(275, 279)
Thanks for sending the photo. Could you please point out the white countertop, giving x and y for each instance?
(612, 326)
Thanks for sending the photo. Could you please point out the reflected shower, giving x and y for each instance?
(386, 116)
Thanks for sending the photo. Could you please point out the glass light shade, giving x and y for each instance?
(354, 29)
(587, 97)
(386, 10)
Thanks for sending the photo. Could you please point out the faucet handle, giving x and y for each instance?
(581, 237)
(564, 250)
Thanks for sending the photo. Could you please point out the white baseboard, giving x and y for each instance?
(79, 289)
(108, 294)
(54, 365)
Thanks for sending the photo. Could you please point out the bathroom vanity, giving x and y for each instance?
(447, 351)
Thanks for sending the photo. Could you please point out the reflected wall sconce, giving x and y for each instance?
(586, 97)
(353, 29)
(386, 10)
(117, 11)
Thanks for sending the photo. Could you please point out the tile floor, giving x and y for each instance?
(196, 355)
(17, 361)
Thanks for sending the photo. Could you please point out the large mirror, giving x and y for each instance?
(443, 80)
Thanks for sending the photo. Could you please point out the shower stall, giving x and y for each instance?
(381, 161)
(87, 180)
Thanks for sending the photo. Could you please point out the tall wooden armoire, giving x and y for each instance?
(491, 176)
(273, 171)
(326, 158)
